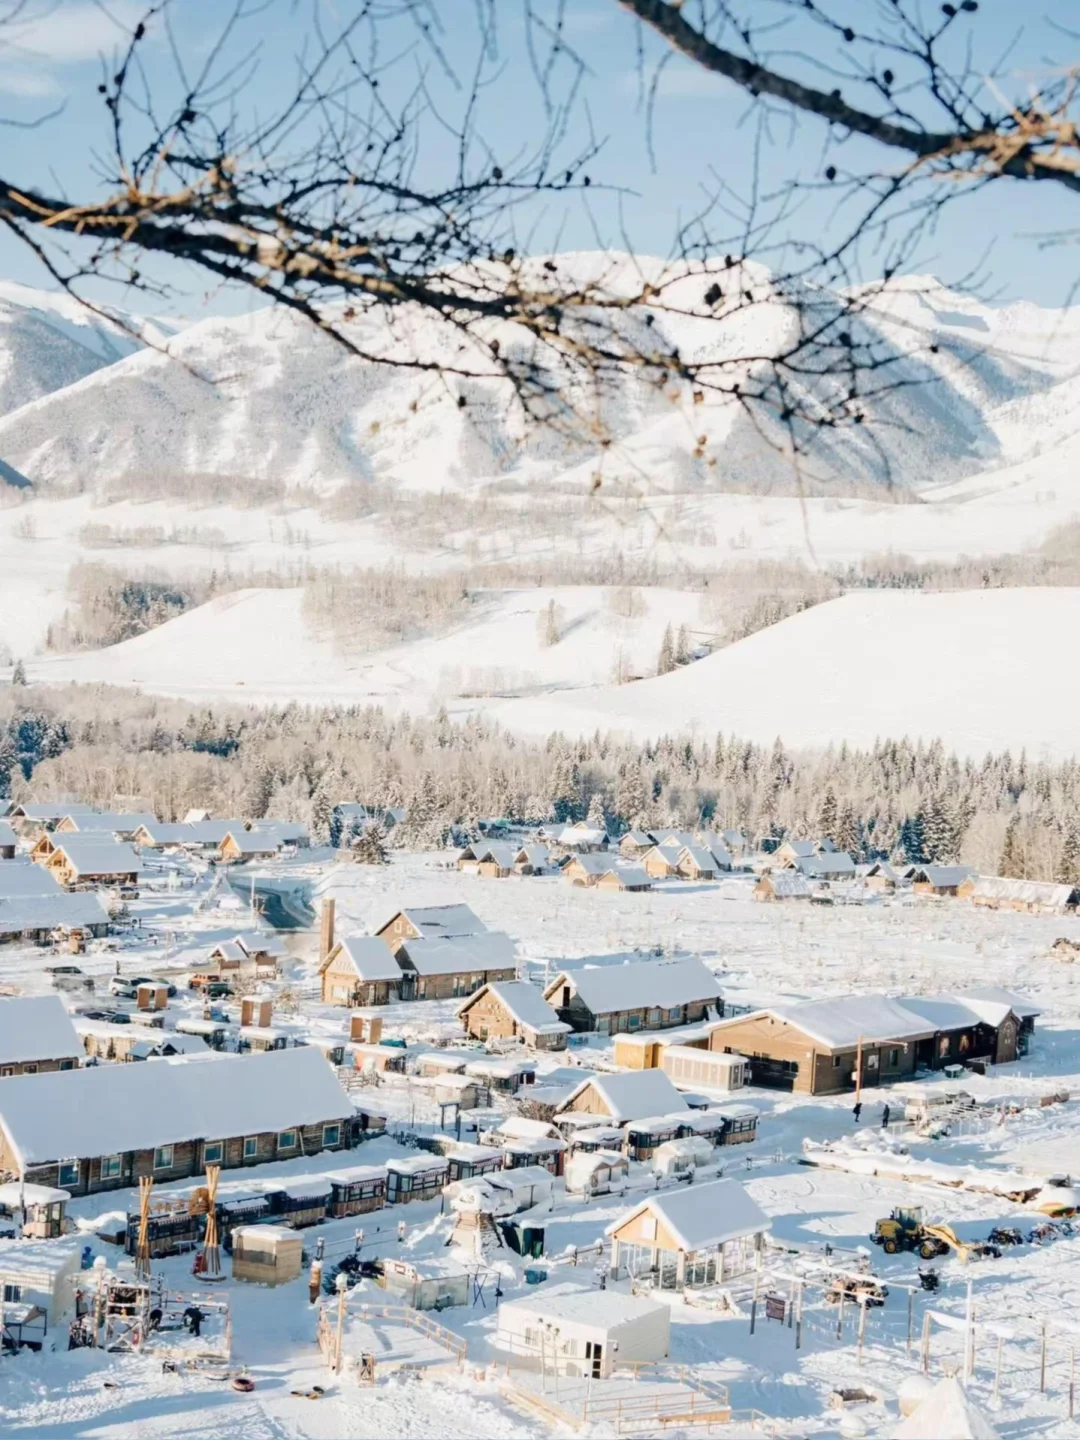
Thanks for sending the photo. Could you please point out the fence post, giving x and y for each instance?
(910, 1311)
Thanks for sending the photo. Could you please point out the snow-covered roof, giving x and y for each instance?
(581, 834)
(416, 1164)
(250, 843)
(441, 922)
(603, 1310)
(496, 852)
(261, 942)
(702, 1216)
(879, 867)
(230, 950)
(525, 1003)
(701, 857)
(834, 863)
(641, 838)
(943, 877)
(7, 834)
(95, 856)
(51, 810)
(162, 833)
(944, 1012)
(36, 1027)
(369, 957)
(643, 984)
(674, 839)
(992, 1004)
(1026, 892)
(718, 849)
(111, 1109)
(538, 856)
(49, 911)
(114, 822)
(789, 885)
(502, 1066)
(592, 864)
(630, 876)
(491, 950)
(520, 1127)
(632, 1094)
(844, 1020)
(284, 830)
(22, 877)
(209, 832)
(801, 849)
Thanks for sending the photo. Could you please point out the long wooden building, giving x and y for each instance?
(103, 1128)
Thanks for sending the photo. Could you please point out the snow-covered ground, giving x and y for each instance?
(761, 953)
(980, 670)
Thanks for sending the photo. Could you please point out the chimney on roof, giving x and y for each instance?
(326, 929)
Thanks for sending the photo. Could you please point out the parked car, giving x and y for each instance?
(122, 988)
(118, 1017)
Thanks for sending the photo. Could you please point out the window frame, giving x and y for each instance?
(251, 1147)
(105, 1167)
(336, 1128)
(161, 1150)
(219, 1146)
(281, 1144)
(62, 1177)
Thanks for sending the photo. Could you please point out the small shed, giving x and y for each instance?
(443, 1062)
(365, 1026)
(41, 1208)
(304, 1202)
(624, 877)
(262, 1037)
(266, 1254)
(378, 1057)
(503, 1074)
(467, 1161)
(644, 1137)
(740, 1124)
(256, 1010)
(597, 1172)
(434, 1284)
(583, 1332)
(681, 1157)
(357, 1190)
(40, 1274)
(212, 1031)
(705, 1069)
(415, 1177)
(151, 996)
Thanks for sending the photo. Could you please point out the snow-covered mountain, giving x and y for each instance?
(266, 397)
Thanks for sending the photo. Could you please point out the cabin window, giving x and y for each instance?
(331, 1135)
(6, 1071)
(633, 1022)
(163, 1157)
(251, 1147)
(894, 1058)
(213, 1152)
(30, 1069)
(965, 1044)
(110, 1167)
(836, 1061)
(12, 1294)
(67, 1064)
(68, 1174)
(944, 1045)
(286, 1140)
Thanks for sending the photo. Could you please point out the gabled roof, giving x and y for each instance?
(538, 856)
(801, 849)
(992, 1003)
(440, 922)
(524, 1002)
(941, 876)
(368, 956)
(50, 810)
(641, 838)
(836, 862)
(285, 832)
(841, 1022)
(161, 833)
(880, 867)
(50, 911)
(718, 848)
(702, 858)
(22, 877)
(209, 832)
(7, 834)
(591, 864)
(230, 950)
(632, 1094)
(96, 856)
(629, 876)
(675, 839)
(36, 1027)
(113, 822)
(497, 852)
(580, 834)
(261, 942)
(468, 953)
(1043, 893)
(788, 884)
(944, 1012)
(111, 1109)
(641, 985)
(251, 843)
(702, 1216)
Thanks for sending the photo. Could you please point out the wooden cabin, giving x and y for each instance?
(266, 1254)
(513, 1009)
(8, 841)
(624, 877)
(699, 1236)
(782, 885)
(585, 870)
(661, 863)
(430, 922)
(534, 860)
(79, 861)
(645, 995)
(359, 970)
(386, 1059)
(451, 969)
(415, 1178)
(357, 1190)
(260, 1038)
(621, 1098)
(491, 858)
(1035, 897)
(636, 843)
(940, 879)
(102, 1128)
(696, 863)
(36, 1036)
(502, 1072)
(239, 846)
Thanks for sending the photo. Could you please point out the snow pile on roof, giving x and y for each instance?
(703, 1215)
(992, 1003)
(93, 855)
(7, 834)
(36, 1027)
(819, 867)
(370, 958)
(633, 1094)
(1042, 893)
(847, 1019)
(110, 1109)
(789, 885)
(525, 1003)
(490, 950)
(111, 822)
(443, 922)
(946, 1414)
(50, 911)
(22, 877)
(641, 985)
(572, 1304)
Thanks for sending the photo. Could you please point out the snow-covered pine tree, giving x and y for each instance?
(826, 823)
(596, 817)
(631, 797)
(666, 660)
(18, 674)
(682, 647)
(370, 846)
(848, 831)
(1068, 870)
(1011, 864)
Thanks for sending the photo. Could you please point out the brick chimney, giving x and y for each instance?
(326, 930)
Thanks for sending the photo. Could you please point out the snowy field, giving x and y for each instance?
(761, 954)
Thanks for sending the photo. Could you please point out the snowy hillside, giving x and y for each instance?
(265, 397)
(50, 341)
(258, 645)
(981, 670)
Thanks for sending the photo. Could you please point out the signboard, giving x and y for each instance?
(774, 1308)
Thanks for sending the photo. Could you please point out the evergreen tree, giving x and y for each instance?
(939, 830)
(911, 846)
(551, 625)
(565, 788)
(370, 847)
(321, 812)
(631, 798)
(666, 661)
(18, 674)
(596, 817)
(1068, 871)
(826, 824)
(848, 834)
(682, 647)
(1011, 864)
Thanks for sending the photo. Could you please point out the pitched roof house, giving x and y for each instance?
(94, 861)
(645, 995)
(1038, 897)
(36, 1035)
(441, 969)
(101, 1128)
(360, 970)
(701, 1235)
(430, 922)
(509, 1009)
(491, 858)
(624, 1097)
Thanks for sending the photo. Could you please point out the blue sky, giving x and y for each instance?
(703, 136)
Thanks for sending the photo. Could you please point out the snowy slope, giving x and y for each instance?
(258, 645)
(49, 341)
(981, 670)
(265, 396)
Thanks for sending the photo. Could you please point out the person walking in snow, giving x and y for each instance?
(857, 1110)
(885, 1118)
